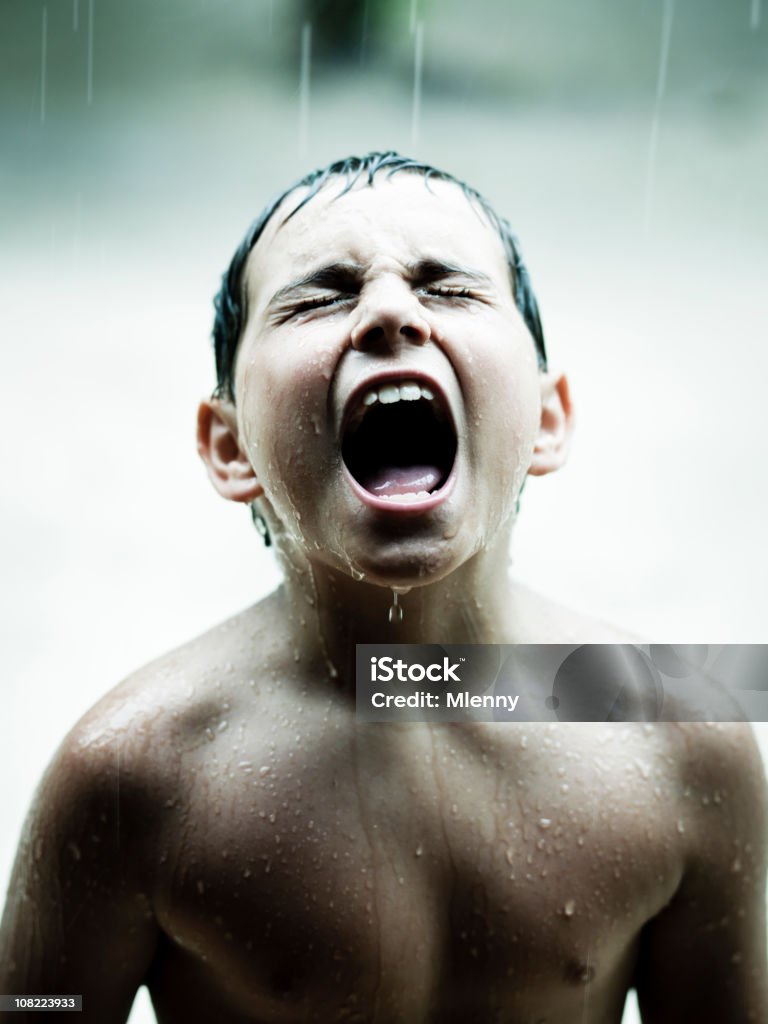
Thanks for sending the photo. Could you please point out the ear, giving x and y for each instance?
(556, 427)
(218, 443)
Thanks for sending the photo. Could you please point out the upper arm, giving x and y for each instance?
(78, 917)
(703, 957)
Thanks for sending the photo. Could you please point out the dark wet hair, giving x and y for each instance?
(230, 304)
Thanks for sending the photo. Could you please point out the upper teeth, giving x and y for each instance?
(388, 394)
(409, 391)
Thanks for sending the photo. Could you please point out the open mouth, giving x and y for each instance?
(399, 443)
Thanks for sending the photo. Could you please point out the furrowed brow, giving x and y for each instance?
(428, 270)
(340, 277)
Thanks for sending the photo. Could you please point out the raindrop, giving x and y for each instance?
(754, 19)
(413, 16)
(418, 59)
(395, 611)
(75, 15)
(364, 38)
(306, 60)
(661, 86)
(43, 63)
(89, 88)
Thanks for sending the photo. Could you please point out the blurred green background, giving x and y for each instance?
(627, 142)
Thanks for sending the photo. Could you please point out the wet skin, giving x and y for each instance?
(221, 829)
(234, 840)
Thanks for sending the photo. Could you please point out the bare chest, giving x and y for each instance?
(410, 872)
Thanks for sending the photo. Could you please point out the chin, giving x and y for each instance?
(408, 561)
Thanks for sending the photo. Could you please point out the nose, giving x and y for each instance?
(389, 314)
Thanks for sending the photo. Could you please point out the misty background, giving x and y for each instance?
(625, 140)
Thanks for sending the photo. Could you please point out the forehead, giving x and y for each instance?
(397, 219)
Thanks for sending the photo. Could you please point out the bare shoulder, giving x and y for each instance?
(703, 957)
(141, 728)
(723, 776)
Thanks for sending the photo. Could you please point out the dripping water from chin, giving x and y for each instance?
(395, 614)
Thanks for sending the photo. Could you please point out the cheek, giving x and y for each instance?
(504, 379)
(283, 419)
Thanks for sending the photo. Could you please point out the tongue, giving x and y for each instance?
(390, 480)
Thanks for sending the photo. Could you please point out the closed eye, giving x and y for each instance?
(445, 292)
(318, 302)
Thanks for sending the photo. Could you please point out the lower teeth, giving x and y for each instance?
(405, 499)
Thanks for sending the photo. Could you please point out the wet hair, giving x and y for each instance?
(230, 304)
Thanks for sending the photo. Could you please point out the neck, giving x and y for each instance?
(329, 612)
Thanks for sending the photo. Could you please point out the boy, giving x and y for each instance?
(222, 829)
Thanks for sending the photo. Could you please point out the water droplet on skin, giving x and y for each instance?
(736, 866)
(680, 827)
(356, 574)
(264, 770)
(74, 849)
(544, 822)
(200, 886)
(510, 855)
(569, 908)
(419, 850)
